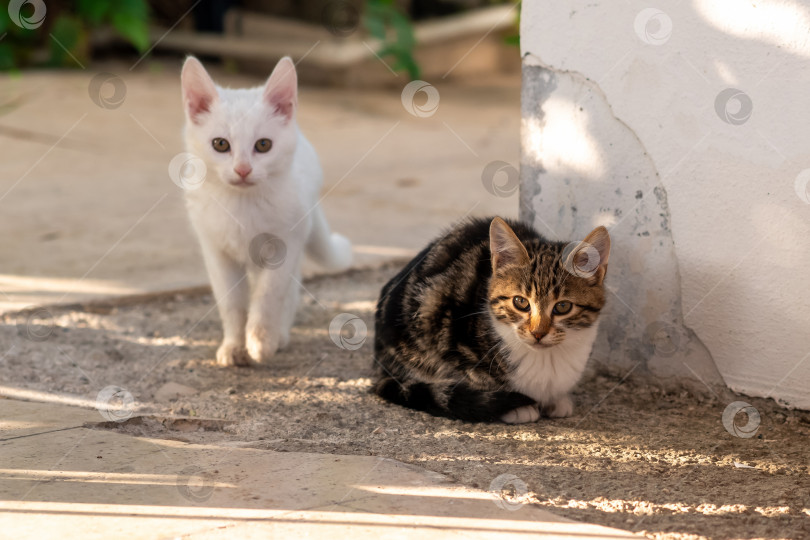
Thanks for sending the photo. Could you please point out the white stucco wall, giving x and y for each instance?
(684, 128)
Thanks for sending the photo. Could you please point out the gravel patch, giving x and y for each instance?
(637, 454)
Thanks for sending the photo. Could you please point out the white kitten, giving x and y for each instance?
(257, 211)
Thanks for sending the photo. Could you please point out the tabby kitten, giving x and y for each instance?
(491, 322)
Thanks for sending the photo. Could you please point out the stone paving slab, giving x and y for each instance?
(95, 483)
(23, 418)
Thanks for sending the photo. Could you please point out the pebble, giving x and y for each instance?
(172, 390)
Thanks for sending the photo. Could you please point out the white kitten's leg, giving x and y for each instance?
(231, 292)
(291, 303)
(272, 308)
(522, 415)
(330, 250)
(560, 407)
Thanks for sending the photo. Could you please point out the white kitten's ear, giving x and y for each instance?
(504, 246)
(593, 254)
(199, 91)
(281, 89)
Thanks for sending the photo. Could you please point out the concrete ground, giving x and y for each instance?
(88, 210)
(636, 455)
(87, 207)
(63, 478)
(300, 448)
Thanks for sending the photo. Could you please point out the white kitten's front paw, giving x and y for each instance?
(561, 407)
(522, 415)
(232, 354)
(263, 344)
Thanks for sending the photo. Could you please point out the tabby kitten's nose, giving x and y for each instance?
(538, 335)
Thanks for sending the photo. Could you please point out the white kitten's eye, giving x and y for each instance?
(221, 145)
(263, 145)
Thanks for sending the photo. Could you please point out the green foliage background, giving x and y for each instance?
(66, 30)
(382, 15)
(67, 26)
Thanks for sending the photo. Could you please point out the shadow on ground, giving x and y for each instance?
(635, 455)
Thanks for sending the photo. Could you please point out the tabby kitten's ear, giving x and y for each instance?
(504, 246)
(590, 258)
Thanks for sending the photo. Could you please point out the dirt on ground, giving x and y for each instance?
(636, 455)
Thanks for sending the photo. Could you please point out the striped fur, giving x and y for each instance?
(451, 341)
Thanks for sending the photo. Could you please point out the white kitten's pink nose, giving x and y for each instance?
(243, 170)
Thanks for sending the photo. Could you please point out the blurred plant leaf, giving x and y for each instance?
(375, 26)
(512, 40)
(404, 30)
(131, 19)
(136, 31)
(68, 33)
(93, 11)
(374, 19)
(71, 26)
(6, 56)
(385, 22)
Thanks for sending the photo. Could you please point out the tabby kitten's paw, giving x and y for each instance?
(561, 407)
(262, 344)
(232, 354)
(522, 415)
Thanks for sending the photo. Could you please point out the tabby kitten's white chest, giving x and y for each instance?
(548, 375)
(438, 351)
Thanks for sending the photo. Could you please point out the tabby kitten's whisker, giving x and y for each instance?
(439, 352)
(472, 314)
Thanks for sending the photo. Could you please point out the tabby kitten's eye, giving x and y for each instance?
(263, 145)
(521, 303)
(221, 145)
(561, 308)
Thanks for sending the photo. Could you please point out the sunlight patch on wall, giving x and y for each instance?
(725, 72)
(561, 141)
(779, 24)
